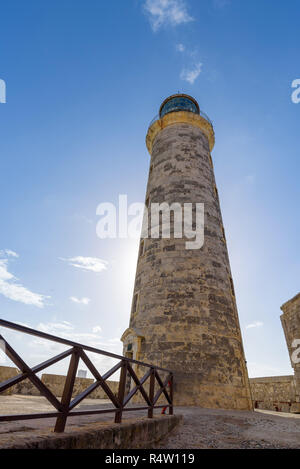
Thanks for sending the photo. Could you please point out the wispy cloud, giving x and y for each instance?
(81, 301)
(10, 288)
(255, 324)
(166, 13)
(68, 331)
(172, 13)
(191, 74)
(42, 349)
(180, 47)
(8, 252)
(65, 330)
(55, 327)
(94, 264)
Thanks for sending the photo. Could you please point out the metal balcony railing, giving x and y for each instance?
(201, 113)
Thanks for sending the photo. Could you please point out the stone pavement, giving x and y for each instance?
(201, 428)
(20, 404)
(227, 429)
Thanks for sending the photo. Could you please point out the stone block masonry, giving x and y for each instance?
(276, 393)
(290, 320)
(184, 314)
(53, 382)
(7, 372)
(135, 434)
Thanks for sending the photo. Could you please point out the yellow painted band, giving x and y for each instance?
(180, 117)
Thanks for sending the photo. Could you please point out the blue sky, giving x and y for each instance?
(84, 79)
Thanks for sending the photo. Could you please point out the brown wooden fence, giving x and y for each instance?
(64, 408)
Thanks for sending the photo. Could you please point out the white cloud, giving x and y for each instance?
(180, 47)
(55, 327)
(13, 290)
(190, 75)
(68, 331)
(93, 264)
(42, 349)
(82, 301)
(166, 12)
(9, 253)
(255, 324)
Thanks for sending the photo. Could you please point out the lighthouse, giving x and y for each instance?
(184, 315)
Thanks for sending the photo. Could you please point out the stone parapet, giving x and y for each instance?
(131, 434)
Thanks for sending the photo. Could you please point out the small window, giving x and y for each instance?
(142, 247)
(223, 232)
(135, 303)
(216, 192)
(232, 287)
(129, 347)
(151, 169)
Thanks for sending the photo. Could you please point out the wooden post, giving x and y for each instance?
(151, 392)
(67, 392)
(121, 392)
(171, 395)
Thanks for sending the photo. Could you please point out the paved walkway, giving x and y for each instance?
(19, 404)
(210, 428)
(202, 428)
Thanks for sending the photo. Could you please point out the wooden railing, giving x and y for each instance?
(64, 407)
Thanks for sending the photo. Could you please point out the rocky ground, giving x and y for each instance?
(201, 428)
(223, 429)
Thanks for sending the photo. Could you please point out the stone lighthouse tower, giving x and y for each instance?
(184, 315)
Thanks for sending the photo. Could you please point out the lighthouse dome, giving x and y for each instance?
(179, 102)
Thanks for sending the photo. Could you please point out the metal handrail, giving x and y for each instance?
(64, 408)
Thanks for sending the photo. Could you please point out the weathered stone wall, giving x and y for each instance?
(290, 320)
(54, 382)
(26, 388)
(275, 393)
(185, 313)
(130, 434)
(7, 372)
(100, 394)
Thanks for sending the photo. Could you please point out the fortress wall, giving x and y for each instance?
(54, 382)
(7, 372)
(275, 393)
